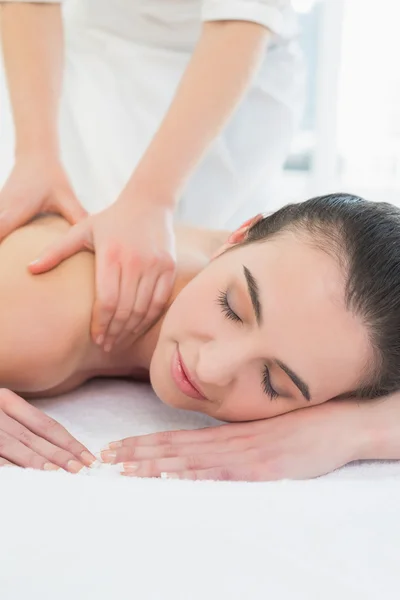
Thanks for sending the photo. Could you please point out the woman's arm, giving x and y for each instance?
(32, 41)
(219, 72)
(302, 444)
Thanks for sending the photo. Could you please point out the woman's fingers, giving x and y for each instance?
(43, 426)
(192, 462)
(137, 452)
(16, 452)
(185, 436)
(59, 457)
(6, 463)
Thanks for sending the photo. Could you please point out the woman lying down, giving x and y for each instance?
(294, 310)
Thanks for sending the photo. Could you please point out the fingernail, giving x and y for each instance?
(108, 347)
(34, 262)
(87, 458)
(131, 467)
(165, 475)
(114, 445)
(108, 455)
(74, 466)
(100, 339)
(50, 467)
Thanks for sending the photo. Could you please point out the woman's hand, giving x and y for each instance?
(135, 264)
(29, 438)
(298, 445)
(36, 184)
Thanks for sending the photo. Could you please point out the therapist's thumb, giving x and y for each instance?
(78, 238)
(70, 208)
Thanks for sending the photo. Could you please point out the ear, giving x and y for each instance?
(237, 236)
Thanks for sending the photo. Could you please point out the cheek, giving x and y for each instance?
(194, 312)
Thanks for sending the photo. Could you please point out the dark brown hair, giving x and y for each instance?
(365, 237)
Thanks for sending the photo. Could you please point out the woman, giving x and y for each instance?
(150, 119)
(294, 310)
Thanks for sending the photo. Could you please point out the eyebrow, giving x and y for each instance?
(254, 293)
(298, 382)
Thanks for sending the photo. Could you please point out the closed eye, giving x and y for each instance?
(230, 314)
(222, 300)
(266, 384)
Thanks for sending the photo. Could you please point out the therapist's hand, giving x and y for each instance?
(135, 265)
(298, 445)
(29, 438)
(36, 184)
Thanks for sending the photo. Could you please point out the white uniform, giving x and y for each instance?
(124, 60)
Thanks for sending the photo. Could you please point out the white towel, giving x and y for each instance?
(67, 537)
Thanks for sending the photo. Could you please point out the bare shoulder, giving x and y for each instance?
(43, 318)
(198, 240)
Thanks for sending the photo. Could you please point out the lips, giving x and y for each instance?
(182, 377)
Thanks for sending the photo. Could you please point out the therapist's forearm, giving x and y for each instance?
(218, 74)
(32, 40)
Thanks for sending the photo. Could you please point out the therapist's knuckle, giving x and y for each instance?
(113, 252)
(167, 261)
(140, 312)
(134, 260)
(108, 304)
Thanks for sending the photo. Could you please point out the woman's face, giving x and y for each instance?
(261, 331)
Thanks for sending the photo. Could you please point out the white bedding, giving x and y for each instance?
(95, 538)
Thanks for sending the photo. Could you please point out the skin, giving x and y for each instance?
(133, 238)
(300, 288)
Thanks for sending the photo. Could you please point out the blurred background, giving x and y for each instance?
(349, 138)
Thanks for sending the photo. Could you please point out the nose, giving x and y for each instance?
(219, 365)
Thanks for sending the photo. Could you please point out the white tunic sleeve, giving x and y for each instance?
(270, 13)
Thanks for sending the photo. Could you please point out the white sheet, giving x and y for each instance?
(93, 538)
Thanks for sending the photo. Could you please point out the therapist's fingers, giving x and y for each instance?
(143, 287)
(70, 208)
(143, 298)
(159, 298)
(108, 280)
(118, 328)
(78, 237)
(6, 463)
